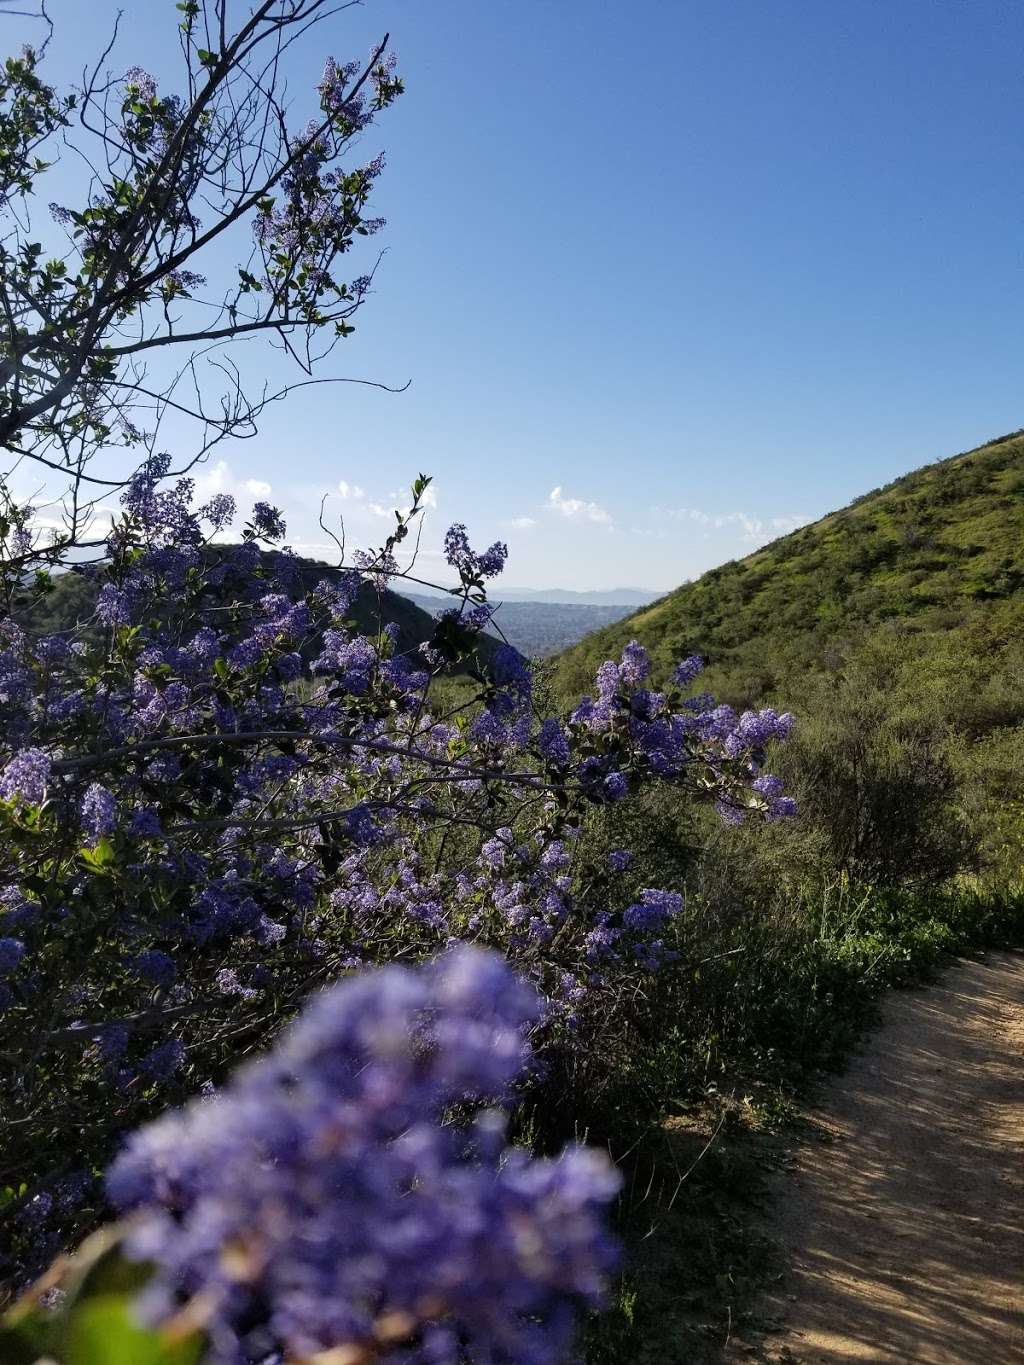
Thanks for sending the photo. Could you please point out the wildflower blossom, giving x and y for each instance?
(309, 1244)
(635, 664)
(686, 671)
(140, 83)
(12, 950)
(459, 555)
(156, 967)
(552, 742)
(98, 811)
(26, 776)
(653, 909)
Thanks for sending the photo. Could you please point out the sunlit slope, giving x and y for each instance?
(939, 550)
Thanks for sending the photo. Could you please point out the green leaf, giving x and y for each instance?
(104, 1331)
(26, 1340)
(207, 58)
(99, 857)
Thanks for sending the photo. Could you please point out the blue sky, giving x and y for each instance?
(668, 278)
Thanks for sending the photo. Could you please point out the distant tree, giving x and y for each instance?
(177, 185)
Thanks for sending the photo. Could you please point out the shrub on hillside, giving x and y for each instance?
(875, 763)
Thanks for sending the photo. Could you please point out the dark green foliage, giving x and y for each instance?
(96, 1322)
(66, 601)
(873, 766)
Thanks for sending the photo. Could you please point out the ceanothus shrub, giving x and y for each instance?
(218, 794)
(322, 1203)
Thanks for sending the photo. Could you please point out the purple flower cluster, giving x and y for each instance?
(777, 805)
(470, 563)
(267, 521)
(652, 910)
(98, 811)
(353, 110)
(12, 950)
(639, 729)
(321, 1203)
(155, 967)
(322, 210)
(685, 672)
(26, 776)
(553, 743)
(140, 83)
(115, 605)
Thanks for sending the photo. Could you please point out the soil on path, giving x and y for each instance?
(904, 1224)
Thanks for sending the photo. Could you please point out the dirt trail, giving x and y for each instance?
(905, 1224)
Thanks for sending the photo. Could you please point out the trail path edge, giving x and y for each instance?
(903, 1223)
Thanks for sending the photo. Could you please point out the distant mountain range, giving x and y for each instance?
(538, 627)
(597, 597)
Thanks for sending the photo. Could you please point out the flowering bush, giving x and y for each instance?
(322, 1202)
(352, 1215)
(219, 794)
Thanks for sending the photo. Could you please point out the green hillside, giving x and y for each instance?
(940, 550)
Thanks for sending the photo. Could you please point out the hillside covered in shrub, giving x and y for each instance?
(893, 630)
(940, 550)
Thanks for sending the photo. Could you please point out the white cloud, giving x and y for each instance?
(378, 509)
(214, 479)
(350, 490)
(521, 523)
(93, 522)
(577, 507)
(753, 527)
(218, 478)
(755, 530)
(316, 549)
